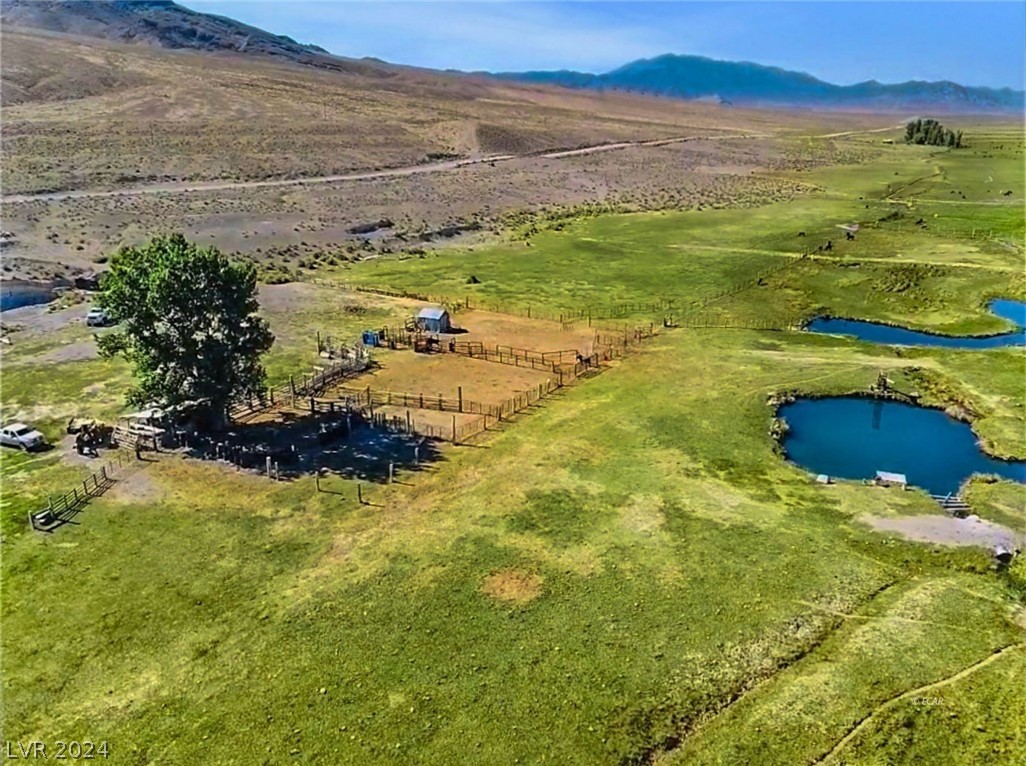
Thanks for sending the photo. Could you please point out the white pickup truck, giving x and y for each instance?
(21, 436)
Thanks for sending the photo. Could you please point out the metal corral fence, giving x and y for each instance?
(62, 508)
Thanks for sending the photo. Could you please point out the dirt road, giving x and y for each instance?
(433, 167)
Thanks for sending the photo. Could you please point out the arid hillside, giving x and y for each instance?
(107, 142)
(87, 114)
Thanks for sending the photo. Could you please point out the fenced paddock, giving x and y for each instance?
(446, 375)
(461, 419)
(516, 357)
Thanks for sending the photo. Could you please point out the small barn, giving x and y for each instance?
(433, 319)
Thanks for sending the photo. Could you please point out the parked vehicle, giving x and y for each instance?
(21, 436)
(97, 317)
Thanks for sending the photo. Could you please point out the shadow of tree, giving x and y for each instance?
(344, 445)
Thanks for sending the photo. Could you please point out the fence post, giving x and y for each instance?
(409, 424)
(459, 391)
(454, 429)
(359, 493)
(391, 471)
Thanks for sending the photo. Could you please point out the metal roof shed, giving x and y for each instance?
(433, 319)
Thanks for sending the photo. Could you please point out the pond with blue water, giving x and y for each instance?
(874, 332)
(854, 437)
(16, 295)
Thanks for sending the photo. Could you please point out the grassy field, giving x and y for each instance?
(629, 573)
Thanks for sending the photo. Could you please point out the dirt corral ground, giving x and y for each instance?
(444, 374)
(493, 329)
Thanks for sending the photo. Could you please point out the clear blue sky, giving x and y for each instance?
(973, 43)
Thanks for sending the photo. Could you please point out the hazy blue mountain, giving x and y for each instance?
(743, 82)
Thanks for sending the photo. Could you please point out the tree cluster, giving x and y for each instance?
(931, 133)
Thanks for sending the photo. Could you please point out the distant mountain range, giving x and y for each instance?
(169, 25)
(697, 77)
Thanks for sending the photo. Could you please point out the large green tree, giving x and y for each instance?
(188, 324)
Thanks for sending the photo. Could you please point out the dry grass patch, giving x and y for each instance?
(512, 586)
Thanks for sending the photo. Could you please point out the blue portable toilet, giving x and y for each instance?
(370, 338)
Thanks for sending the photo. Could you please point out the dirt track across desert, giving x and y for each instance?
(434, 167)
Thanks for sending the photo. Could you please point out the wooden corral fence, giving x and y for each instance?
(400, 337)
(569, 317)
(548, 361)
(61, 509)
(710, 320)
(368, 398)
(565, 317)
(365, 400)
(301, 386)
(746, 284)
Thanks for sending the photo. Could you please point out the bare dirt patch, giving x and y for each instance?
(512, 586)
(137, 487)
(444, 374)
(425, 417)
(76, 351)
(948, 530)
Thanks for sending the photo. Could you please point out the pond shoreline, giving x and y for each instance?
(1019, 329)
(885, 323)
(779, 428)
(19, 293)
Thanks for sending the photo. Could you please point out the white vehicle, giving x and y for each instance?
(21, 436)
(97, 317)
